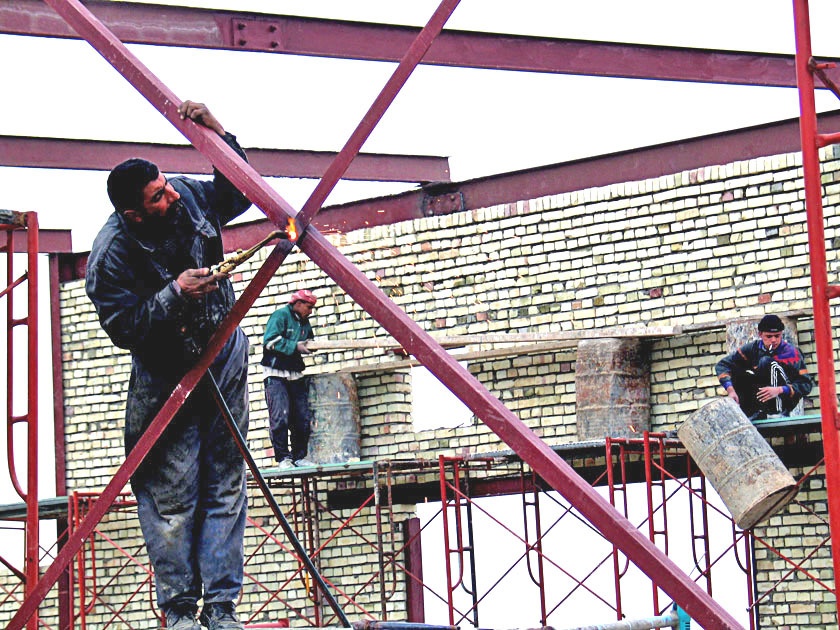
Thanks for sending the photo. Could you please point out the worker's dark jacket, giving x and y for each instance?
(751, 366)
(131, 281)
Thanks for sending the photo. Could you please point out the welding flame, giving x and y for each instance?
(291, 230)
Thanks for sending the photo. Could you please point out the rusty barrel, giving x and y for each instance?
(750, 478)
(612, 385)
(334, 401)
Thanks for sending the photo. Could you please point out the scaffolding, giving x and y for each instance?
(13, 225)
(651, 480)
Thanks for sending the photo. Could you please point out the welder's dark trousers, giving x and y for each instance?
(190, 489)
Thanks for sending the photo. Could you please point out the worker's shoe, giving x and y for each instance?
(303, 462)
(182, 619)
(286, 463)
(220, 616)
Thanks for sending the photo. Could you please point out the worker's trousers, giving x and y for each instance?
(289, 415)
(191, 488)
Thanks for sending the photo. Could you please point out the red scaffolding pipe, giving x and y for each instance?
(27, 223)
(410, 335)
(823, 336)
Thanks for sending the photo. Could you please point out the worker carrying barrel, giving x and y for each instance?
(767, 377)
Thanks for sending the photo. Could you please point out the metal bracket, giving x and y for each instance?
(256, 35)
(446, 203)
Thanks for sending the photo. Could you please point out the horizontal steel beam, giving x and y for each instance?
(49, 242)
(637, 164)
(98, 155)
(237, 30)
(626, 166)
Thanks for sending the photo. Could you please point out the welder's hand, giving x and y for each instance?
(199, 113)
(303, 348)
(768, 393)
(197, 282)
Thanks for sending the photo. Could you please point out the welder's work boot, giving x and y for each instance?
(181, 619)
(220, 616)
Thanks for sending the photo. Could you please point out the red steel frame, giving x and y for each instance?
(28, 223)
(821, 291)
(505, 424)
(411, 336)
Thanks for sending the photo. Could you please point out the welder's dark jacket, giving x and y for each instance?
(131, 281)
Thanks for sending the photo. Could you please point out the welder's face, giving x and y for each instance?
(159, 197)
(159, 201)
(770, 340)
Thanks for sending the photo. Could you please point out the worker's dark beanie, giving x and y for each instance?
(127, 181)
(771, 323)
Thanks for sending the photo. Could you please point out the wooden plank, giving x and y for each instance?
(388, 344)
(539, 348)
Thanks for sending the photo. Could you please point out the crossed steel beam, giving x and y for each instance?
(408, 333)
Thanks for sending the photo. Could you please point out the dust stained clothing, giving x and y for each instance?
(286, 388)
(753, 366)
(190, 488)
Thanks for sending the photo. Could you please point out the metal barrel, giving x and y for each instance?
(612, 388)
(750, 478)
(334, 402)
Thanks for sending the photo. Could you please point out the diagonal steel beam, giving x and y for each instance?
(102, 155)
(236, 30)
(502, 421)
(163, 99)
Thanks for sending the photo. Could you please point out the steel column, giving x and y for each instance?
(823, 337)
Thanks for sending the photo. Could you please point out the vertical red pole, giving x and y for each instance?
(447, 550)
(615, 558)
(819, 278)
(650, 514)
(32, 517)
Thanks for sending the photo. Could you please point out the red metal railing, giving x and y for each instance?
(12, 224)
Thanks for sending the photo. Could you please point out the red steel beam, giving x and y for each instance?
(99, 155)
(49, 242)
(625, 166)
(237, 30)
(633, 165)
(408, 333)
